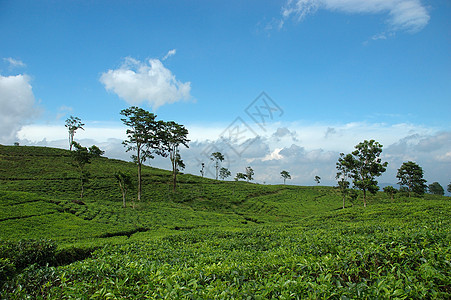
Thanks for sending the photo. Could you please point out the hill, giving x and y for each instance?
(210, 238)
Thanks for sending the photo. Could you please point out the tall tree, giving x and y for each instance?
(125, 183)
(217, 157)
(317, 179)
(449, 188)
(410, 175)
(174, 136)
(366, 166)
(224, 173)
(249, 174)
(144, 136)
(436, 189)
(73, 124)
(285, 175)
(345, 165)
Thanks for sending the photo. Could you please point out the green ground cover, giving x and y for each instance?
(210, 239)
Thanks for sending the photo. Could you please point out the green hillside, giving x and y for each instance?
(210, 239)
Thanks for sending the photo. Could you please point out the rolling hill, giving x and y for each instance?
(210, 239)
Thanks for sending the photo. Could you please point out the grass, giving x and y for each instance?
(211, 239)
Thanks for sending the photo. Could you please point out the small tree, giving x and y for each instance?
(391, 191)
(73, 124)
(175, 135)
(217, 157)
(410, 175)
(449, 188)
(285, 175)
(317, 179)
(249, 174)
(81, 156)
(240, 176)
(224, 173)
(436, 189)
(125, 183)
(345, 165)
(366, 166)
(202, 170)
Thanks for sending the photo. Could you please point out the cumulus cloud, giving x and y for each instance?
(17, 104)
(409, 15)
(151, 82)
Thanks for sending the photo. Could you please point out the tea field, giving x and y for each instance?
(211, 239)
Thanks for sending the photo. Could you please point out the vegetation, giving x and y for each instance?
(205, 241)
(285, 175)
(217, 157)
(72, 125)
(436, 189)
(391, 191)
(410, 175)
(317, 179)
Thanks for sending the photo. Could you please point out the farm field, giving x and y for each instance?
(210, 239)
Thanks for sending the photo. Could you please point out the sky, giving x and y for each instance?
(275, 85)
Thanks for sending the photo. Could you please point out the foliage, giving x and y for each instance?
(345, 165)
(285, 175)
(410, 175)
(249, 174)
(217, 157)
(391, 191)
(317, 179)
(173, 136)
(240, 176)
(224, 173)
(436, 189)
(207, 242)
(364, 166)
(144, 136)
(125, 183)
(73, 124)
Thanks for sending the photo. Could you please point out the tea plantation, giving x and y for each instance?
(209, 240)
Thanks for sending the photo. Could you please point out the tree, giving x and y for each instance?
(95, 151)
(125, 183)
(345, 165)
(217, 157)
(285, 175)
(410, 175)
(449, 188)
(249, 174)
(436, 189)
(240, 176)
(366, 166)
(317, 179)
(224, 173)
(175, 135)
(391, 191)
(73, 124)
(202, 170)
(81, 156)
(144, 137)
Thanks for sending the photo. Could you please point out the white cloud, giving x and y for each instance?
(14, 62)
(169, 54)
(409, 15)
(17, 104)
(137, 82)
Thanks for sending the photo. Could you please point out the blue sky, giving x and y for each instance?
(340, 72)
